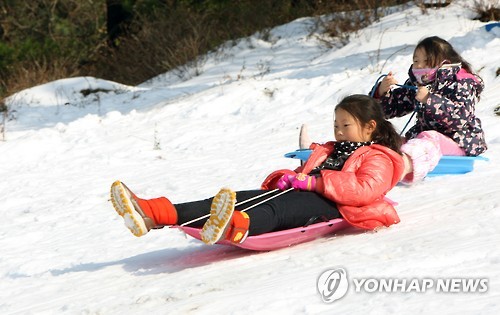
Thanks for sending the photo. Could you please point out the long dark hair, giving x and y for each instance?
(365, 108)
(438, 50)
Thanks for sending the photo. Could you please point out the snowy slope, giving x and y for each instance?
(63, 250)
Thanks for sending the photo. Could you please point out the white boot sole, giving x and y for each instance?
(221, 212)
(124, 206)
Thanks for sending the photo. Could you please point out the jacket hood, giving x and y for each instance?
(397, 160)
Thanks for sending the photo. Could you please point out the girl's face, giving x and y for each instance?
(348, 128)
(420, 59)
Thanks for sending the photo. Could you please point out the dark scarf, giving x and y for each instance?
(341, 151)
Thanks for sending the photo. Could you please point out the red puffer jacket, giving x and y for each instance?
(360, 187)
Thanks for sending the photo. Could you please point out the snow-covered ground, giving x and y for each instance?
(63, 249)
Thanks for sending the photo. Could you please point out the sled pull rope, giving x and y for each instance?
(261, 202)
(374, 88)
(410, 87)
(245, 201)
(256, 197)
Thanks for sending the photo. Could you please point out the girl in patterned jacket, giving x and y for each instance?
(345, 178)
(444, 100)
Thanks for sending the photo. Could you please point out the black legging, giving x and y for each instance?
(290, 210)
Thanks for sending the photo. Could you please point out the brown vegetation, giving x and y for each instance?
(131, 41)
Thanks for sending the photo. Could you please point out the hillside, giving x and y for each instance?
(65, 251)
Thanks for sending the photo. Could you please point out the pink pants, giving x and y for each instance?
(425, 151)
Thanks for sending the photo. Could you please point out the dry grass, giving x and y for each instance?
(487, 10)
(174, 38)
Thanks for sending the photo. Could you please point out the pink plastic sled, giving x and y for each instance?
(279, 239)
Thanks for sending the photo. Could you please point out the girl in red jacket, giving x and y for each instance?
(345, 178)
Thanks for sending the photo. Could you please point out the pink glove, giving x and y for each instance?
(304, 182)
(285, 182)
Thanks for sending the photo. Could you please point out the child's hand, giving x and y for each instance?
(386, 83)
(422, 94)
(304, 182)
(285, 182)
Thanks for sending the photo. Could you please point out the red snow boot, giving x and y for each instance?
(141, 215)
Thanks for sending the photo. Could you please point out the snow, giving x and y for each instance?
(63, 249)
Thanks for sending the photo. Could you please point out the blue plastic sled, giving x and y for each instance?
(490, 26)
(301, 154)
(455, 165)
(448, 165)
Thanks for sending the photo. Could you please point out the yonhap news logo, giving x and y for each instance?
(333, 284)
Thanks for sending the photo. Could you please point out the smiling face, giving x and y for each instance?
(348, 128)
(421, 68)
(420, 60)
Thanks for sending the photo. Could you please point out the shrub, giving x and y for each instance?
(45, 40)
(487, 10)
